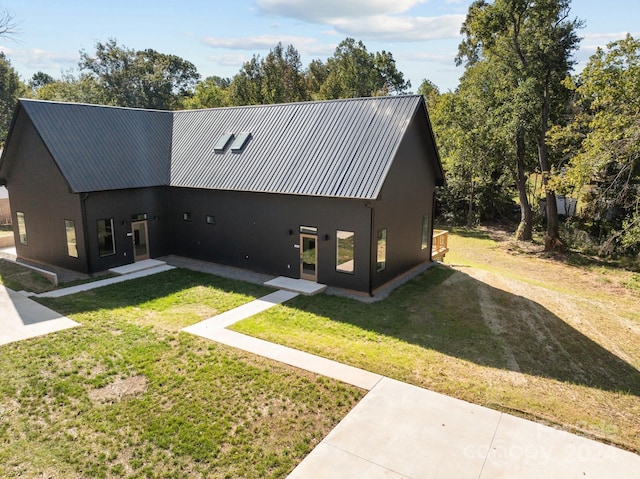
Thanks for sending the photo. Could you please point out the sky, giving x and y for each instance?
(219, 36)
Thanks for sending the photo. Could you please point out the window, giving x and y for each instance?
(139, 217)
(22, 228)
(344, 251)
(381, 263)
(106, 245)
(426, 232)
(72, 246)
(211, 220)
(240, 141)
(186, 216)
(222, 142)
(309, 230)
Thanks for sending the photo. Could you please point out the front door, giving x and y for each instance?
(140, 240)
(308, 257)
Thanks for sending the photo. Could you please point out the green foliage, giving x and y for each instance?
(354, 72)
(11, 88)
(608, 159)
(278, 78)
(212, 92)
(143, 79)
(530, 44)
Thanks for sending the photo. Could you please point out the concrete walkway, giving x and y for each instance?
(22, 318)
(133, 274)
(400, 431)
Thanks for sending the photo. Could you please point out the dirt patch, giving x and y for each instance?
(119, 389)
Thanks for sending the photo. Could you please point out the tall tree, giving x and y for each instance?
(212, 92)
(10, 90)
(278, 78)
(535, 41)
(354, 72)
(40, 79)
(608, 160)
(144, 79)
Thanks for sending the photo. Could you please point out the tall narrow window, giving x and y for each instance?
(72, 246)
(381, 263)
(426, 240)
(344, 251)
(22, 227)
(106, 245)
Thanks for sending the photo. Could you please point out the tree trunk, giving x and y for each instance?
(470, 221)
(552, 240)
(525, 228)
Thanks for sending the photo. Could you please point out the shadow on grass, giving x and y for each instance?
(139, 291)
(457, 315)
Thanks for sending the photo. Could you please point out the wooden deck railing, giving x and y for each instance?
(439, 245)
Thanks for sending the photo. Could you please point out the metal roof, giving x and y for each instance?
(337, 148)
(104, 148)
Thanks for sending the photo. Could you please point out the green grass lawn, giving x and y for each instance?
(513, 330)
(129, 395)
(18, 278)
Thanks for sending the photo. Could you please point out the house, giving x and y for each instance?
(340, 192)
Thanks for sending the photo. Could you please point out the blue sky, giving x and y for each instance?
(218, 37)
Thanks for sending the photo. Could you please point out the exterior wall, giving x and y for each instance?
(260, 232)
(121, 205)
(37, 189)
(406, 197)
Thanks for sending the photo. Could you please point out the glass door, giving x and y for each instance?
(140, 240)
(308, 257)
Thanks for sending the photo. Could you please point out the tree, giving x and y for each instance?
(354, 72)
(212, 92)
(534, 40)
(609, 156)
(7, 24)
(278, 78)
(82, 89)
(143, 79)
(40, 79)
(10, 90)
(473, 145)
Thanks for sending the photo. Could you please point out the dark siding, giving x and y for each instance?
(39, 191)
(406, 196)
(121, 205)
(252, 232)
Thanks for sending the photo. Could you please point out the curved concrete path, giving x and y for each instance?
(400, 431)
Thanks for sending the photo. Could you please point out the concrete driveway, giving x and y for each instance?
(22, 318)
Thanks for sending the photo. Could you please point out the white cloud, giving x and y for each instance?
(256, 42)
(392, 28)
(315, 11)
(38, 59)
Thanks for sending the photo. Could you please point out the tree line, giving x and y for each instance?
(521, 128)
(519, 131)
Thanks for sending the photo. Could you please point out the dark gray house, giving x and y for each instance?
(339, 192)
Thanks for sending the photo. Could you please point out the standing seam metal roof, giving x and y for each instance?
(336, 148)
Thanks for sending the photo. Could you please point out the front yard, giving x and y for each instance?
(498, 325)
(128, 395)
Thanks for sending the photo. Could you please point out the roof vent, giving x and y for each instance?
(240, 141)
(222, 143)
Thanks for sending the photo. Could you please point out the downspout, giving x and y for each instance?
(85, 230)
(371, 239)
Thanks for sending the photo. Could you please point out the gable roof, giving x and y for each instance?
(101, 148)
(337, 148)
